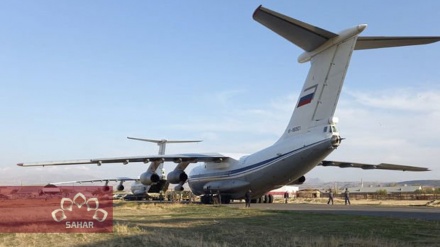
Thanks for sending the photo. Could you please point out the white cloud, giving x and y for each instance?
(394, 126)
(225, 97)
(4, 169)
(397, 126)
(77, 168)
(388, 122)
(407, 99)
(389, 126)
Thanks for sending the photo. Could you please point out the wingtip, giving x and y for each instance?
(256, 10)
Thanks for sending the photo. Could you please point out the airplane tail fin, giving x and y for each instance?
(329, 55)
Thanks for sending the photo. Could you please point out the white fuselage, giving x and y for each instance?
(280, 164)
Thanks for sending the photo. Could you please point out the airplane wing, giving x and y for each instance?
(381, 166)
(177, 158)
(118, 179)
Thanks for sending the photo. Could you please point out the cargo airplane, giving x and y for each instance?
(310, 136)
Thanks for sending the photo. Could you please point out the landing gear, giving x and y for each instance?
(225, 199)
(267, 198)
(215, 199)
(270, 198)
(206, 199)
(263, 199)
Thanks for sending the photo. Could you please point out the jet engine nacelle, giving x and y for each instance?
(106, 188)
(300, 180)
(177, 176)
(178, 187)
(148, 178)
(120, 187)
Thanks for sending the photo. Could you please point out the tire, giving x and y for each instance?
(226, 200)
(205, 199)
(270, 198)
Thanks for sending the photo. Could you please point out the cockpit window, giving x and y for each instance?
(325, 129)
(334, 130)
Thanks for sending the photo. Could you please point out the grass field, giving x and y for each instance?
(138, 224)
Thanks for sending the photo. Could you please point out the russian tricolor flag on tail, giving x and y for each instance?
(308, 95)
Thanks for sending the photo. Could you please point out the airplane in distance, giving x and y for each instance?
(310, 136)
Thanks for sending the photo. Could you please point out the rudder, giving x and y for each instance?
(329, 55)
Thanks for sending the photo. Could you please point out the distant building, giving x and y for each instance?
(381, 192)
(50, 189)
(309, 193)
(388, 190)
(25, 192)
(279, 193)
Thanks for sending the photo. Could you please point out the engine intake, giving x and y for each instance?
(120, 187)
(178, 187)
(177, 176)
(148, 178)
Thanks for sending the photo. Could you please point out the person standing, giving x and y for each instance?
(211, 197)
(219, 197)
(247, 198)
(286, 196)
(347, 196)
(330, 197)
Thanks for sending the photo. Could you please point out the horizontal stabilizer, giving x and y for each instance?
(374, 42)
(162, 140)
(309, 37)
(304, 35)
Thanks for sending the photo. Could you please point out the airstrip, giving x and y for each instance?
(404, 212)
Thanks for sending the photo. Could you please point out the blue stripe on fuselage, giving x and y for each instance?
(250, 167)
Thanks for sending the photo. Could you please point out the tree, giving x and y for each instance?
(381, 193)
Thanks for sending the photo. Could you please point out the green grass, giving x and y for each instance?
(137, 224)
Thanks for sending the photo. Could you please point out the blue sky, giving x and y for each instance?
(78, 77)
